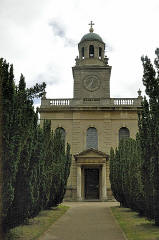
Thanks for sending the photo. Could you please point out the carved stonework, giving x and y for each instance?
(91, 120)
(91, 83)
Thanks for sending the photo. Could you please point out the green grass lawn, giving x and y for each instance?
(38, 225)
(134, 226)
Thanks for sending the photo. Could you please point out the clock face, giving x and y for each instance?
(91, 83)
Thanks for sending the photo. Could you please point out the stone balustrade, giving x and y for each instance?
(116, 102)
(124, 101)
(59, 102)
(55, 102)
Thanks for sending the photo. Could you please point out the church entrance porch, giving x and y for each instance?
(91, 185)
(91, 175)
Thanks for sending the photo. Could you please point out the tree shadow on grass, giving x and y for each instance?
(123, 209)
(148, 228)
(126, 210)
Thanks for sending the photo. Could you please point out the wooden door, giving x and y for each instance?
(92, 183)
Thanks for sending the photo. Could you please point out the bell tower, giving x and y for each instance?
(91, 73)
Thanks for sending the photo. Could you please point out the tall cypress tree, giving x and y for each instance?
(9, 141)
(21, 206)
(150, 125)
(35, 163)
(18, 126)
(35, 170)
(61, 169)
(1, 165)
(125, 174)
(145, 130)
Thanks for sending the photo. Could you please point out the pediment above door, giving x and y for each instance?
(91, 156)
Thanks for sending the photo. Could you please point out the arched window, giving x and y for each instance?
(83, 53)
(62, 132)
(124, 133)
(92, 138)
(100, 52)
(91, 51)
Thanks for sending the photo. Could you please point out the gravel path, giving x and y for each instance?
(86, 221)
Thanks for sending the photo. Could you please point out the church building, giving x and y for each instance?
(91, 122)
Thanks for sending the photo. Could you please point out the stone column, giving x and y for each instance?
(86, 52)
(80, 53)
(102, 53)
(79, 198)
(104, 191)
(96, 52)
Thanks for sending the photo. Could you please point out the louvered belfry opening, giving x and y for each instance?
(83, 53)
(91, 51)
(100, 52)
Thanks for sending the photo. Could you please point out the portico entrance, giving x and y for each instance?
(91, 186)
(91, 175)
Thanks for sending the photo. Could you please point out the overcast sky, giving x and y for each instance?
(40, 38)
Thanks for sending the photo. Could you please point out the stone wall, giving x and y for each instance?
(106, 122)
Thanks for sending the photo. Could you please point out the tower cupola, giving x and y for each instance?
(91, 73)
(91, 49)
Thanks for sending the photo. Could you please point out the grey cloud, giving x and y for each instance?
(60, 31)
(70, 42)
(47, 77)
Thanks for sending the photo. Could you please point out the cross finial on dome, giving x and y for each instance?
(91, 28)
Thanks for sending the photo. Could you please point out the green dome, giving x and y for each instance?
(91, 37)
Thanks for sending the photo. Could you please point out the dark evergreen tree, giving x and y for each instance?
(35, 164)
(116, 176)
(47, 168)
(1, 167)
(10, 137)
(22, 203)
(146, 145)
(61, 166)
(137, 200)
(138, 160)
(149, 131)
(125, 174)
(113, 173)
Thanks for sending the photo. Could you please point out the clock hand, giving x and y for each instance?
(91, 83)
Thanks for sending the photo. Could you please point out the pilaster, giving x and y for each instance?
(104, 192)
(79, 198)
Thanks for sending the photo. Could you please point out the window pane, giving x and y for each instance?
(62, 131)
(92, 138)
(124, 133)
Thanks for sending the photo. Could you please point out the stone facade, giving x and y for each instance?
(91, 107)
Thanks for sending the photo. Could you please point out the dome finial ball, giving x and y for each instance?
(91, 28)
